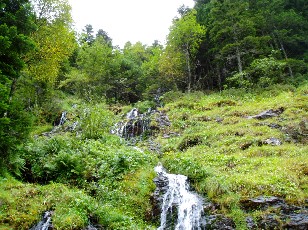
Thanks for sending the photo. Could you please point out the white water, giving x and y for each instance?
(45, 223)
(48, 221)
(63, 118)
(189, 205)
(134, 125)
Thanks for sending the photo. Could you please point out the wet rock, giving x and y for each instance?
(269, 222)
(280, 214)
(90, 227)
(261, 203)
(267, 114)
(155, 147)
(297, 132)
(274, 126)
(272, 141)
(219, 222)
(271, 125)
(219, 119)
(209, 207)
(250, 223)
(296, 221)
(163, 120)
(303, 127)
(170, 134)
(161, 183)
(141, 125)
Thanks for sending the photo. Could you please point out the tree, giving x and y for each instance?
(241, 31)
(287, 27)
(16, 25)
(87, 35)
(103, 34)
(55, 43)
(92, 76)
(183, 43)
(130, 72)
(151, 81)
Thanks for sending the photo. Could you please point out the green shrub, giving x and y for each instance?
(95, 121)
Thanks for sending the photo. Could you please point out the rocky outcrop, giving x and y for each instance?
(267, 114)
(279, 215)
(138, 124)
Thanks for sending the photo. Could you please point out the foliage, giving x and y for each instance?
(242, 34)
(106, 169)
(54, 39)
(23, 205)
(96, 121)
(16, 25)
(183, 41)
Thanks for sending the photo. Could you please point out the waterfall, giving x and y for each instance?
(45, 223)
(135, 124)
(178, 200)
(139, 125)
(63, 118)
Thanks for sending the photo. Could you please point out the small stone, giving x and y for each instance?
(272, 141)
(250, 223)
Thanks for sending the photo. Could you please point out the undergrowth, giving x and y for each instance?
(88, 175)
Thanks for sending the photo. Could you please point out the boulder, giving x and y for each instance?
(267, 114)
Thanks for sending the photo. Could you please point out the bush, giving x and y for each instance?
(95, 121)
(15, 127)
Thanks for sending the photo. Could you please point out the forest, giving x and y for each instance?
(62, 93)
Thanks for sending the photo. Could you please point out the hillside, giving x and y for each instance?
(231, 154)
(228, 155)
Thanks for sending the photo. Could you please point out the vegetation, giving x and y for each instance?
(225, 154)
(223, 63)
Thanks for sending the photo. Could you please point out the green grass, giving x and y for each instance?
(224, 154)
(91, 173)
(22, 205)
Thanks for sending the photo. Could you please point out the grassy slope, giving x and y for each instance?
(96, 175)
(224, 154)
(89, 174)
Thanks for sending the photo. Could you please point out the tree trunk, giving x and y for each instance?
(189, 77)
(239, 61)
(286, 57)
(283, 52)
(219, 77)
(13, 86)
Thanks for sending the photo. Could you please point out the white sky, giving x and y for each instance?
(128, 20)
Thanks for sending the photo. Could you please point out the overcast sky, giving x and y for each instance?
(128, 20)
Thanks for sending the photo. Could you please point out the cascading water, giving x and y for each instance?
(45, 223)
(63, 118)
(140, 124)
(178, 200)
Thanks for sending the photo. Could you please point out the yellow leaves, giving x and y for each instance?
(55, 43)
